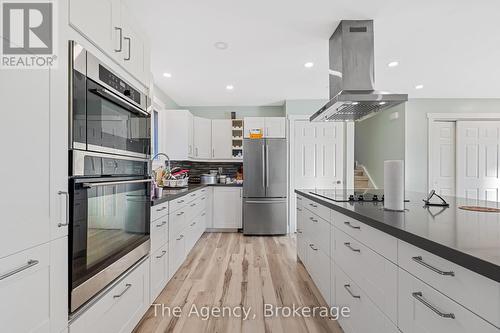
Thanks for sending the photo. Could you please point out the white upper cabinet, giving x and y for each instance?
(109, 25)
(221, 139)
(202, 138)
(270, 127)
(175, 134)
(190, 131)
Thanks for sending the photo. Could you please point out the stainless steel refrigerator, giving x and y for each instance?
(265, 187)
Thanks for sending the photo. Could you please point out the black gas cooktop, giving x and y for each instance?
(346, 195)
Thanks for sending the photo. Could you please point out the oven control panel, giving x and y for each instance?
(119, 85)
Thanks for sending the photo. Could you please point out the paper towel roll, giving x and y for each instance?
(394, 185)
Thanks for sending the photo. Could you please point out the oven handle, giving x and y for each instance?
(90, 185)
(110, 96)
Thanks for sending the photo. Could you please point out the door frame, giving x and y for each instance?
(451, 117)
(348, 173)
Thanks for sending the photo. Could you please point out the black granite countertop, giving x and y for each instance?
(469, 239)
(173, 193)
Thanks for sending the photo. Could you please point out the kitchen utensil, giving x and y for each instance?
(208, 179)
(222, 179)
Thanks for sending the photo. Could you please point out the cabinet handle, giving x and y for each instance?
(348, 288)
(299, 198)
(419, 297)
(29, 264)
(161, 224)
(352, 226)
(299, 231)
(193, 195)
(192, 224)
(213, 152)
(162, 254)
(299, 209)
(129, 43)
(160, 209)
(313, 219)
(196, 151)
(179, 214)
(348, 245)
(420, 261)
(312, 247)
(127, 287)
(66, 195)
(203, 198)
(181, 237)
(203, 214)
(121, 36)
(180, 201)
(313, 205)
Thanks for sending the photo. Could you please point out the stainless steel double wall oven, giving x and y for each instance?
(109, 176)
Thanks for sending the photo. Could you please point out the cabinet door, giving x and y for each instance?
(250, 123)
(301, 245)
(202, 138)
(25, 131)
(222, 139)
(176, 252)
(275, 127)
(176, 134)
(227, 208)
(92, 19)
(209, 207)
(133, 45)
(159, 271)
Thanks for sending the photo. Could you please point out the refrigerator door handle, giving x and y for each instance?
(267, 165)
(263, 167)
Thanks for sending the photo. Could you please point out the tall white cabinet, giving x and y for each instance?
(202, 138)
(222, 139)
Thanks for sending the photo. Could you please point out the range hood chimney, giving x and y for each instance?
(352, 90)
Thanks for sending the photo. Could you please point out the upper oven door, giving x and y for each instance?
(115, 126)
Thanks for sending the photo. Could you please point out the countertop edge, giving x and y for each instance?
(472, 263)
(191, 188)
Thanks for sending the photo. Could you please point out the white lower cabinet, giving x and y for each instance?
(176, 252)
(319, 264)
(227, 207)
(424, 309)
(120, 308)
(159, 271)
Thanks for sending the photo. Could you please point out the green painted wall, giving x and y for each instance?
(303, 106)
(167, 100)
(224, 112)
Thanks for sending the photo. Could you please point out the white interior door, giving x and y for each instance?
(442, 154)
(477, 159)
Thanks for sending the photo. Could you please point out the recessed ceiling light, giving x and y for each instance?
(419, 86)
(167, 75)
(309, 64)
(221, 45)
(393, 64)
(229, 87)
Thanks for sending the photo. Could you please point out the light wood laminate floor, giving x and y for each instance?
(229, 269)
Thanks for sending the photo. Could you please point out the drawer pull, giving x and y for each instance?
(313, 205)
(299, 231)
(127, 287)
(352, 226)
(203, 214)
(162, 254)
(312, 247)
(179, 214)
(299, 198)
(193, 195)
(181, 237)
(162, 208)
(348, 245)
(313, 219)
(180, 201)
(418, 296)
(192, 224)
(161, 224)
(29, 264)
(203, 198)
(192, 205)
(299, 209)
(420, 261)
(348, 288)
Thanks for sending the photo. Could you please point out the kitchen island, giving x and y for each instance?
(427, 268)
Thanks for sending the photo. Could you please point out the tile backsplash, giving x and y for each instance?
(196, 169)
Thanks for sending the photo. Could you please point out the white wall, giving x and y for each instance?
(417, 132)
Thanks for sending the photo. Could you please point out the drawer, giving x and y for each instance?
(159, 211)
(319, 265)
(159, 271)
(178, 203)
(177, 221)
(22, 275)
(121, 308)
(475, 292)
(374, 274)
(378, 241)
(318, 209)
(423, 309)
(300, 201)
(364, 315)
(318, 232)
(159, 233)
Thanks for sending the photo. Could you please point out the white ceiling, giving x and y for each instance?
(452, 47)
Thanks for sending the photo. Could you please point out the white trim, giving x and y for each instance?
(370, 179)
(454, 117)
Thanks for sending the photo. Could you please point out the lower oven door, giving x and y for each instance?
(109, 232)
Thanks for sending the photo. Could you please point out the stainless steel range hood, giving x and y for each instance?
(352, 78)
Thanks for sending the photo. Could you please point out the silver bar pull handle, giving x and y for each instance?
(348, 288)
(162, 254)
(267, 165)
(352, 226)
(312, 247)
(112, 97)
(90, 185)
(161, 224)
(66, 195)
(127, 287)
(348, 245)
(121, 36)
(419, 297)
(129, 46)
(420, 261)
(160, 209)
(29, 264)
(313, 219)
(263, 166)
